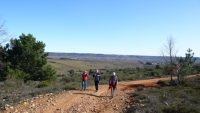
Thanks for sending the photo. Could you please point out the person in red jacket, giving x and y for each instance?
(84, 80)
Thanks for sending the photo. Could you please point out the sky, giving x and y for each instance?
(126, 27)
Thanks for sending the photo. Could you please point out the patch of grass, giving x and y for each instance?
(71, 86)
(43, 84)
(179, 109)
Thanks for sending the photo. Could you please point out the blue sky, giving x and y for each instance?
(132, 27)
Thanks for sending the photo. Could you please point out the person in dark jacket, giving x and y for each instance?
(113, 81)
(97, 78)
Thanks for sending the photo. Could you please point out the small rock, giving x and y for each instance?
(7, 105)
(11, 107)
(58, 109)
(142, 105)
(128, 101)
(6, 108)
(33, 105)
(93, 110)
(25, 103)
(133, 105)
(115, 105)
(166, 103)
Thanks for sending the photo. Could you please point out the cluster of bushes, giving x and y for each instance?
(24, 58)
(126, 74)
(73, 77)
(168, 99)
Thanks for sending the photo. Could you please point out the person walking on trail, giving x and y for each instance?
(97, 78)
(84, 80)
(113, 81)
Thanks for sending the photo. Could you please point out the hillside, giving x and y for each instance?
(64, 65)
(108, 57)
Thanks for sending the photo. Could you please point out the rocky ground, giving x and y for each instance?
(88, 101)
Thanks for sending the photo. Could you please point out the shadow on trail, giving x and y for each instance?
(95, 95)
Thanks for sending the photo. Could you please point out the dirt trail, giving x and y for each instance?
(77, 101)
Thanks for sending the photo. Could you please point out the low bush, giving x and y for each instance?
(48, 73)
(3, 71)
(179, 109)
(43, 84)
(71, 86)
(16, 74)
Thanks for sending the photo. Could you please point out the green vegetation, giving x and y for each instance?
(3, 63)
(24, 58)
(27, 54)
(69, 71)
(185, 65)
(62, 66)
(169, 99)
(25, 70)
(43, 84)
(177, 66)
(71, 78)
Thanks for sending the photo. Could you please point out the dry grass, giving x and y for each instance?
(62, 66)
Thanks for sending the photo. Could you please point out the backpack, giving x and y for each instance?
(97, 77)
(113, 80)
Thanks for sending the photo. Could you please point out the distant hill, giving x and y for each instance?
(107, 57)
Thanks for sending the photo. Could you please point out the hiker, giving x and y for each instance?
(113, 81)
(84, 80)
(97, 77)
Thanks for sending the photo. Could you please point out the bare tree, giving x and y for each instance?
(169, 55)
(3, 33)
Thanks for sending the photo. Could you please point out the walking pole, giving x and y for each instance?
(107, 91)
(116, 91)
